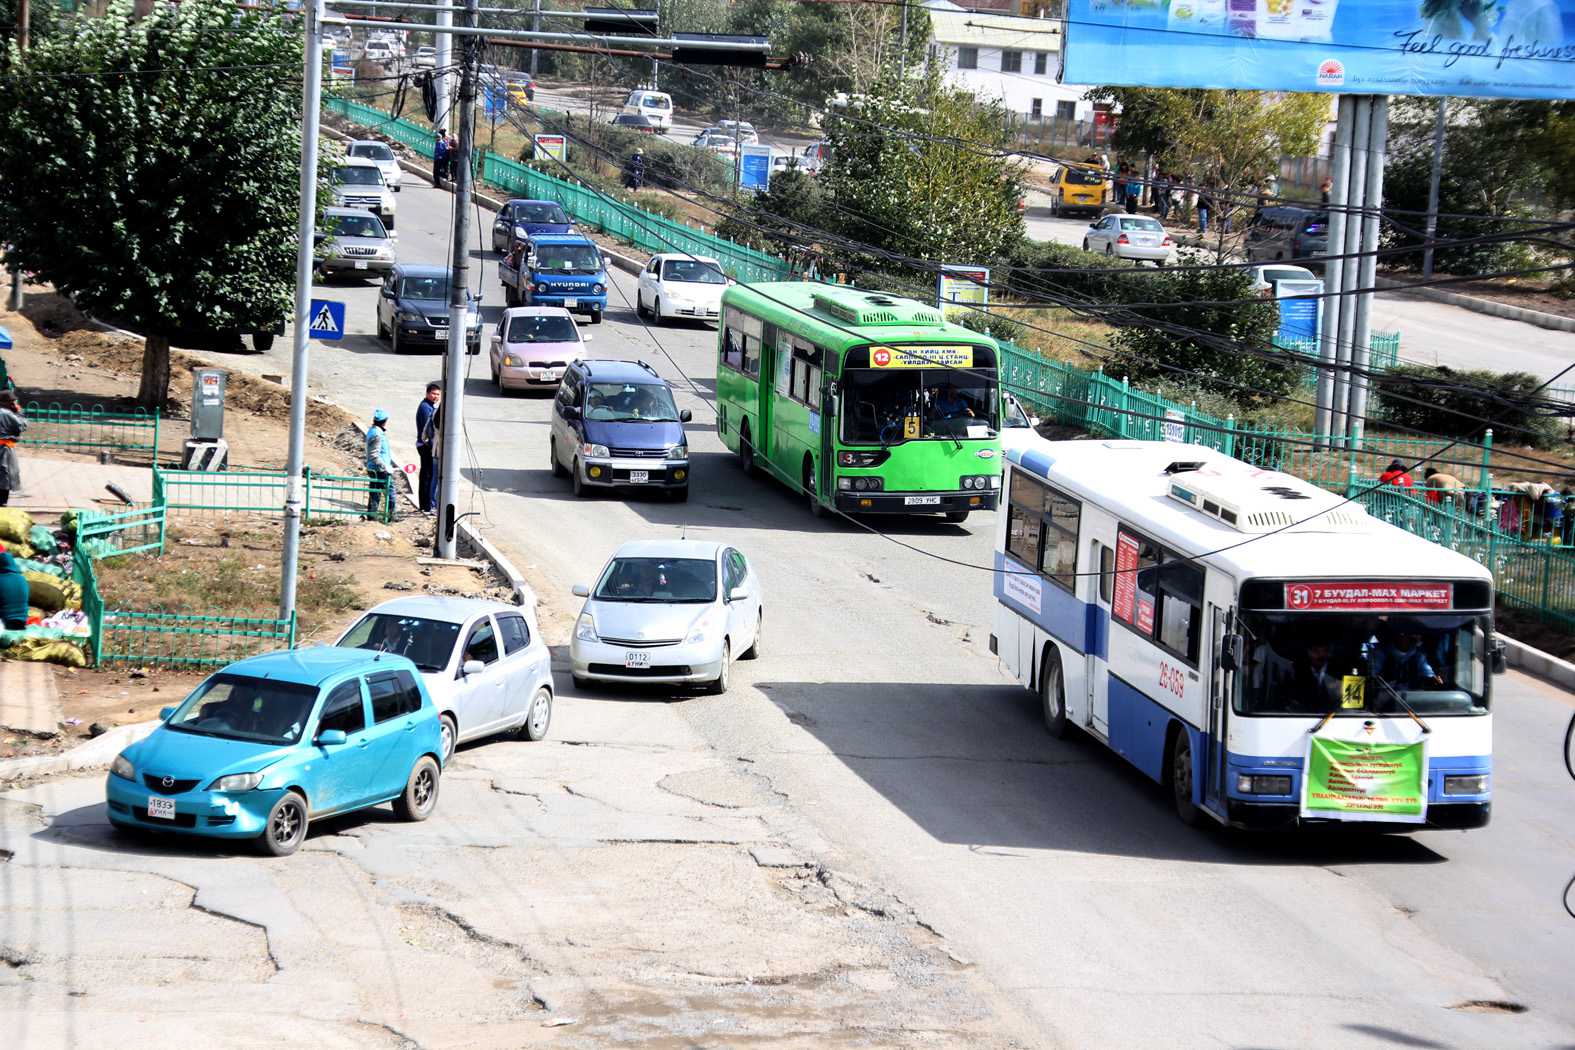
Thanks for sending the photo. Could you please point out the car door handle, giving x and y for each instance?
(410, 727)
(361, 743)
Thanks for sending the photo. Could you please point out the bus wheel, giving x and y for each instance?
(815, 508)
(1181, 777)
(1052, 696)
(956, 517)
(746, 451)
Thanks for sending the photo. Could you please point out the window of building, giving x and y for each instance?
(1041, 62)
(1011, 61)
(1037, 109)
(967, 58)
(1066, 111)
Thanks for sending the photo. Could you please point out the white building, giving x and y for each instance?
(1009, 58)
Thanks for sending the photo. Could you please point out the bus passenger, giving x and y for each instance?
(1313, 684)
(1403, 663)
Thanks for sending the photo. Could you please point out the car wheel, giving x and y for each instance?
(448, 735)
(579, 481)
(285, 829)
(1181, 777)
(552, 454)
(1052, 697)
(956, 517)
(746, 452)
(656, 311)
(394, 343)
(680, 495)
(639, 304)
(421, 791)
(1085, 244)
(596, 316)
(718, 685)
(538, 718)
(816, 510)
(753, 652)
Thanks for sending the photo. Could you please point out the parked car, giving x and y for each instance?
(718, 141)
(354, 242)
(359, 184)
(742, 131)
(522, 88)
(522, 219)
(1265, 278)
(378, 51)
(635, 122)
(1133, 237)
(1078, 187)
(380, 154)
(655, 106)
(674, 285)
(271, 743)
(484, 663)
(1019, 429)
(675, 612)
(614, 424)
(426, 57)
(413, 310)
(533, 346)
(1287, 232)
(564, 270)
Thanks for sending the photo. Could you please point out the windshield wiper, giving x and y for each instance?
(1381, 680)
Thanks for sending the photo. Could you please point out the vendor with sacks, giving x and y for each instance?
(13, 593)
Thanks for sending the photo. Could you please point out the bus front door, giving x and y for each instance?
(826, 422)
(1219, 707)
(1098, 586)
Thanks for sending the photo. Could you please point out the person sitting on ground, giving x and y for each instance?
(1395, 474)
(14, 593)
(1441, 485)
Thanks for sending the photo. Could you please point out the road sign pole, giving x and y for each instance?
(458, 300)
(311, 106)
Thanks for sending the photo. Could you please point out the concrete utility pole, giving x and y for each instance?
(23, 13)
(535, 25)
(459, 298)
(442, 60)
(305, 249)
(1432, 187)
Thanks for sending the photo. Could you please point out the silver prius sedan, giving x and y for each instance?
(671, 612)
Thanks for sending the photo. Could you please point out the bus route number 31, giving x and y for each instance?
(1172, 678)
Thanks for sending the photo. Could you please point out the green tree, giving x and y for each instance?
(149, 169)
(45, 19)
(774, 221)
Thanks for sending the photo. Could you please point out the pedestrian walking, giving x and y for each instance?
(1120, 187)
(426, 480)
(379, 468)
(1205, 209)
(453, 157)
(440, 156)
(1326, 188)
(1134, 191)
(1162, 181)
(12, 423)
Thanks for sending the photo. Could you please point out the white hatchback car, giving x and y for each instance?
(677, 286)
(484, 663)
(671, 612)
(1131, 237)
(380, 154)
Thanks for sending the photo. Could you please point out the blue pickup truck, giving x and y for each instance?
(564, 270)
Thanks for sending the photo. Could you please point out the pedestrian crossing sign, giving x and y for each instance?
(326, 319)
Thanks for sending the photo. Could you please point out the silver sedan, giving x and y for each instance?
(1131, 237)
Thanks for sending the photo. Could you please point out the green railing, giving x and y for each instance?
(90, 428)
(263, 492)
(128, 532)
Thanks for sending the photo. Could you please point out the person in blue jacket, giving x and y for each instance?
(379, 466)
(13, 593)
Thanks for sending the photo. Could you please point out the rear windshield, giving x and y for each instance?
(1152, 225)
(656, 102)
(1083, 177)
(551, 328)
(357, 176)
(372, 151)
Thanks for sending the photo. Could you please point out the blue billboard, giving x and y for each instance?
(1482, 48)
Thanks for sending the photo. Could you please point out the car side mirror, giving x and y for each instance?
(1230, 652)
(570, 412)
(470, 667)
(165, 712)
(684, 415)
(388, 293)
(1034, 421)
(586, 338)
(579, 590)
(331, 738)
(1498, 659)
(737, 594)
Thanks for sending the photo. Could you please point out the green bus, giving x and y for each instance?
(862, 400)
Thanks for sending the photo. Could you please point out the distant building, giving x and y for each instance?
(1009, 57)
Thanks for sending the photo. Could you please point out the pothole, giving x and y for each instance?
(1490, 1006)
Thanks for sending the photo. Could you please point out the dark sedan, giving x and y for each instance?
(413, 310)
(635, 122)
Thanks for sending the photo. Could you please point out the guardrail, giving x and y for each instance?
(90, 428)
(263, 492)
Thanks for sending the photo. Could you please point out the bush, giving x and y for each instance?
(1442, 400)
(1040, 271)
(996, 326)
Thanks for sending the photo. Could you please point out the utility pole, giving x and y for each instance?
(1432, 187)
(535, 27)
(443, 59)
(459, 297)
(904, 42)
(305, 248)
(23, 13)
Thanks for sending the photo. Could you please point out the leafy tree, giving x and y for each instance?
(156, 183)
(44, 20)
(1441, 400)
(773, 221)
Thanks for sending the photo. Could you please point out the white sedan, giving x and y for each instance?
(485, 663)
(671, 612)
(682, 287)
(1131, 237)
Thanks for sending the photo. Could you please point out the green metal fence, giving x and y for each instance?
(90, 428)
(128, 532)
(263, 492)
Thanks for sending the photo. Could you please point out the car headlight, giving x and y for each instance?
(598, 289)
(521, 232)
(585, 629)
(409, 316)
(236, 782)
(1263, 784)
(510, 361)
(678, 451)
(123, 768)
(589, 449)
(699, 631)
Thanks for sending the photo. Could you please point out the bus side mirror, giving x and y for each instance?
(1498, 660)
(1230, 652)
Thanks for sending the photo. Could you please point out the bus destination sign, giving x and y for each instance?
(922, 357)
(1368, 596)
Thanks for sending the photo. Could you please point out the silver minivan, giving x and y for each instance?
(655, 106)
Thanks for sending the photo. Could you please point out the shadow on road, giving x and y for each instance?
(87, 827)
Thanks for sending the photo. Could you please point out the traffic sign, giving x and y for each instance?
(327, 319)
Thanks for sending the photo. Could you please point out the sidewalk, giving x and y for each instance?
(57, 484)
(29, 701)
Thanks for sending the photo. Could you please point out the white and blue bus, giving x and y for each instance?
(1152, 595)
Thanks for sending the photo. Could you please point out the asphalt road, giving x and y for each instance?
(908, 761)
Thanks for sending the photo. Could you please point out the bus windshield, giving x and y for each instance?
(878, 403)
(1362, 664)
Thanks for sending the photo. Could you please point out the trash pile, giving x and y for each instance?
(57, 629)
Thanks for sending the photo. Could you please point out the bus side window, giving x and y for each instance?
(1107, 573)
(1024, 517)
(732, 349)
(1181, 607)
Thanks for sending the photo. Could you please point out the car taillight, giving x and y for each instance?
(1123, 239)
(530, 286)
(1166, 243)
(1313, 227)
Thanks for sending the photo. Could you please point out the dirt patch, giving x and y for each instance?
(1539, 634)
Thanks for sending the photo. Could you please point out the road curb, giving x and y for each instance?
(1539, 664)
(97, 753)
(524, 593)
(1541, 319)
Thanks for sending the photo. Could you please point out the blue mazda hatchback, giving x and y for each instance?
(273, 742)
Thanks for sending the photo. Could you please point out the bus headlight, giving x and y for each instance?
(1260, 784)
(979, 482)
(1475, 784)
(861, 484)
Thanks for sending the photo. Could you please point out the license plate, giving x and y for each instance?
(360, 264)
(440, 333)
(631, 658)
(639, 477)
(163, 808)
(569, 304)
(921, 501)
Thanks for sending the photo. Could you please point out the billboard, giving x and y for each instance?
(962, 285)
(754, 167)
(550, 145)
(1513, 49)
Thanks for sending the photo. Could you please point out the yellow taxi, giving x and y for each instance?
(1077, 187)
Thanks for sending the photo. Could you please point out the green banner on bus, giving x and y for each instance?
(1358, 780)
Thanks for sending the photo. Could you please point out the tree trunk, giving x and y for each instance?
(155, 387)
